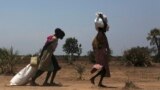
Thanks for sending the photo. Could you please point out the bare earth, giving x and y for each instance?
(147, 78)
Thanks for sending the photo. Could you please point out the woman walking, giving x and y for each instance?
(47, 59)
(101, 50)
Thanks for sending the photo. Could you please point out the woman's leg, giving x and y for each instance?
(38, 73)
(47, 77)
(55, 63)
(53, 76)
(93, 78)
(103, 73)
(93, 70)
(56, 68)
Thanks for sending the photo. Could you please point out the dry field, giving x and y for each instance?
(147, 78)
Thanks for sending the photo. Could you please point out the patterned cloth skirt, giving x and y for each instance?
(46, 62)
(102, 59)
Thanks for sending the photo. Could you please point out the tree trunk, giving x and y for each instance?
(70, 58)
(158, 48)
(157, 57)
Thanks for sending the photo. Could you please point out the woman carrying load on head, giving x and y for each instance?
(101, 51)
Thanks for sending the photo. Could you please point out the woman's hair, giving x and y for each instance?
(59, 32)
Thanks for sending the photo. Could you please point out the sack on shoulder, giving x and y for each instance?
(34, 61)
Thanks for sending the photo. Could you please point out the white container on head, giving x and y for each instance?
(99, 22)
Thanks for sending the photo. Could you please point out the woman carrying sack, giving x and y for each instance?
(46, 57)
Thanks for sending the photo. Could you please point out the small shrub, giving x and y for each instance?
(8, 60)
(80, 70)
(137, 56)
(130, 85)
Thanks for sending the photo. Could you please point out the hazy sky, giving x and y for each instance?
(25, 24)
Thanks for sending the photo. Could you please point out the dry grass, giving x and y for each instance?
(143, 78)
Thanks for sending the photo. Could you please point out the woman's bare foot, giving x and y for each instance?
(33, 83)
(56, 84)
(101, 85)
(46, 84)
(92, 80)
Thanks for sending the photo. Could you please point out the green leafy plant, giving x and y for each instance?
(154, 38)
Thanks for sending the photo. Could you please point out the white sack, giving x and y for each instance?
(23, 76)
(99, 22)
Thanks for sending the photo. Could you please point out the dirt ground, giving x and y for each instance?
(146, 78)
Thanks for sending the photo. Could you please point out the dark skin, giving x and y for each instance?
(100, 37)
(54, 71)
(106, 27)
(104, 31)
(59, 35)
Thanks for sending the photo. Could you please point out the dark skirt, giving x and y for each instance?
(102, 59)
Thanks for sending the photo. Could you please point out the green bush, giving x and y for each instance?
(8, 60)
(137, 56)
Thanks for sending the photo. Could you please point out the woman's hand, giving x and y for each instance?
(101, 16)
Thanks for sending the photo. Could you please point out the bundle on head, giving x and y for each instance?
(101, 22)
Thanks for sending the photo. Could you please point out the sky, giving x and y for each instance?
(25, 24)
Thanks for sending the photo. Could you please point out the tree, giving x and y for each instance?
(154, 38)
(72, 47)
(79, 52)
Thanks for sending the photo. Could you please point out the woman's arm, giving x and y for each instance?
(104, 19)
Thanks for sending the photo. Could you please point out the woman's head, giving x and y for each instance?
(59, 33)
